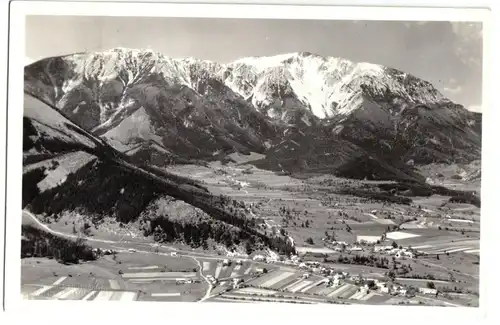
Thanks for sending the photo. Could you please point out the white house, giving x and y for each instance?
(427, 291)
(324, 281)
(384, 289)
(368, 239)
(409, 254)
(259, 258)
(312, 263)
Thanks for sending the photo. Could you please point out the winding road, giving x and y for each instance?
(120, 249)
(210, 287)
(61, 234)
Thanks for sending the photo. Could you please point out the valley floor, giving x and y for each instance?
(446, 235)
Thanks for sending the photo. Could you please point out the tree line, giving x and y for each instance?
(100, 188)
(38, 243)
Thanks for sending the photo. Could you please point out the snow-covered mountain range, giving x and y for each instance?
(165, 108)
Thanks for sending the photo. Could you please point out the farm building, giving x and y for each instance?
(258, 258)
(427, 291)
(368, 239)
(398, 290)
(384, 289)
(324, 281)
(382, 248)
(403, 253)
(338, 276)
(409, 254)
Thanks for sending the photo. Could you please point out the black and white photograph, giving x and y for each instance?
(251, 160)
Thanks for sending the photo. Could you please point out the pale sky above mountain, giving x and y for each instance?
(449, 55)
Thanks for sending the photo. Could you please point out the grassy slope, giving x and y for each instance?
(113, 173)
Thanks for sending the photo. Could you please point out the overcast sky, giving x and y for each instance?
(449, 55)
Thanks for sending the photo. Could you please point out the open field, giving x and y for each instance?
(308, 210)
(310, 200)
(439, 227)
(107, 276)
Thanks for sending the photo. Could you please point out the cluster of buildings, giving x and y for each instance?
(377, 285)
(388, 249)
(398, 290)
(315, 267)
(338, 246)
(235, 282)
(270, 257)
(394, 251)
(342, 246)
(99, 252)
(337, 278)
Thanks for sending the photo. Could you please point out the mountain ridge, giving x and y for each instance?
(340, 66)
(66, 181)
(200, 109)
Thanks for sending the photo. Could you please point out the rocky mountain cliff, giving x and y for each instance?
(341, 113)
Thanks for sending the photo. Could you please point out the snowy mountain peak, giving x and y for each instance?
(194, 108)
(326, 86)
